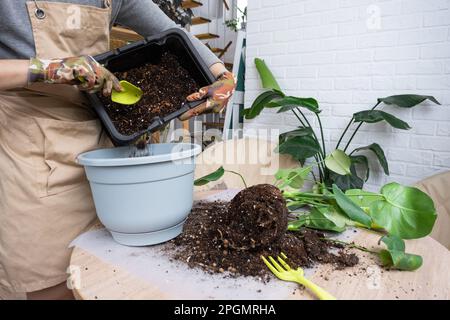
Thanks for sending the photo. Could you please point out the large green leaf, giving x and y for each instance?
(351, 210)
(289, 103)
(294, 178)
(300, 132)
(361, 160)
(363, 198)
(395, 256)
(268, 80)
(373, 116)
(335, 214)
(338, 161)
(346, 182)
(260, 103)
(316, 219)
(407, 100)
(405, 212)
(214, 176)
(300, 147)
(375, 148)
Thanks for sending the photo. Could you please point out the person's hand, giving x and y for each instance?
(217, 96)
(84, 72)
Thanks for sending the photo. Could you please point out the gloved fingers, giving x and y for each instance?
(217, 106)
(116, 83)
(198, 95)
(111, 82)
(107, 89)
(200, 109)
(84, 77)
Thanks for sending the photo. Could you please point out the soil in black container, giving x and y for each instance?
(165, 85)
(222, 236)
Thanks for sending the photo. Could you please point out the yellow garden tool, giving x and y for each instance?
(284, 272)
(130, 94)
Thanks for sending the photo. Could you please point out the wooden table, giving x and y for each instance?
(102, 280)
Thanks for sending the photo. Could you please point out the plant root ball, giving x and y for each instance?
(257, 217)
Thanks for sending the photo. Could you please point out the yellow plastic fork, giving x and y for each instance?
(284, 272)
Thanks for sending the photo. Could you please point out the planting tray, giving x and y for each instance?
(150, 50)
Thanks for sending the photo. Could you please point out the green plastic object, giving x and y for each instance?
(130, 94)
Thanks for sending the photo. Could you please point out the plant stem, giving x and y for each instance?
(350, 245)
(321, 154)
(321, 133)
(298, 118)
(319, 167)
(242, 178)
(314, 176)
(343, 133)
(314, 133)
(357, 128)
(321, 174)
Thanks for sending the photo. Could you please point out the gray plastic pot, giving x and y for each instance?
(145, 200)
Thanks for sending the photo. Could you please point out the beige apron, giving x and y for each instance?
(45, 198)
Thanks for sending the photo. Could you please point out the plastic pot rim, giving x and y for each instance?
(86, 158)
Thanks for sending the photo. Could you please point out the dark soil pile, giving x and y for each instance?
(257, 217)
(165, 85)
(205, 244)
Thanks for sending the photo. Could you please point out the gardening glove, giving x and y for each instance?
(84, 72)
(217, 96)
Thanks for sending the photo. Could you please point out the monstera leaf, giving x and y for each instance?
(351, 210)
(294, 178)
(300, 147)
(338, 161)
(260, 103)
(268, 80)
(214, 176)
(378, 151)
(289, 103)
(374, 116)
(407, 100)
(405, 212)
(395, 256)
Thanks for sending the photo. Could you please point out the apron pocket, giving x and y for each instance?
(63, 142)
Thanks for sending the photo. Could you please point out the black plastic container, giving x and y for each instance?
(146, 51)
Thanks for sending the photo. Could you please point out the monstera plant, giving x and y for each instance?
(337, 200)
(340, 165)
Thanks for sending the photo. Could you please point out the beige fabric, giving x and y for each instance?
(253, 158)
(70, 29)
(45, 199)
(438, 188)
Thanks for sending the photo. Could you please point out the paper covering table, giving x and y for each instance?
(102, 269)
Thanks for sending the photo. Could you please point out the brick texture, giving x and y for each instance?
(346, 54)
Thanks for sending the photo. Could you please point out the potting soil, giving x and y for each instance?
(204, 244)
(165, 85)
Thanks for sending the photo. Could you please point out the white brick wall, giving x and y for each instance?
(347, 53)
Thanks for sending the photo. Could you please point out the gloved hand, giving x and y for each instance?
(84, 72)
(218, 95)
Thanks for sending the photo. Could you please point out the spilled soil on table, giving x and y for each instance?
(165, 85)
(231, 237)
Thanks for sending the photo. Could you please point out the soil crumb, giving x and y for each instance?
(165, 85)
(205, 244)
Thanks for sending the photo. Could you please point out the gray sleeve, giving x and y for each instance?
(145, 17)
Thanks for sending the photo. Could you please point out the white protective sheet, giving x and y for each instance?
(177, 280)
